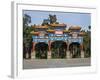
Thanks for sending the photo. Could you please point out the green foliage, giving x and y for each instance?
(26, 19)
(52, 18)
(45, 22)
(87, 43)
(89, 27)
(27, 37)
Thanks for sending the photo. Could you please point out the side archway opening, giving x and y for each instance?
(75, 50)
(41, 50)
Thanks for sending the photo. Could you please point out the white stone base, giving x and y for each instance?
(49, 55)
(27, 55)
(33, 55)
(68, 56)
(82, 54)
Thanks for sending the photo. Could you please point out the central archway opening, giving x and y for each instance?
(41, 49)
(75, 50)
(58, 49)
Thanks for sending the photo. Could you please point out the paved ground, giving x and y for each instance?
(54, 63)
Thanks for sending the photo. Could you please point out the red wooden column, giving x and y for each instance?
(68, 55)
(82, 52)
(33, 51)
(49, 51)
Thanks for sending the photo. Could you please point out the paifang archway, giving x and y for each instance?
(58, 49)
(41, 50)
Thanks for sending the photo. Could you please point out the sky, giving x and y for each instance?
(70, 18)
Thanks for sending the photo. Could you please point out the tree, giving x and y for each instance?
(89, 27)
(52, 18)
(26, 20)
(45, 22)
(87, 42)
(27, 37)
